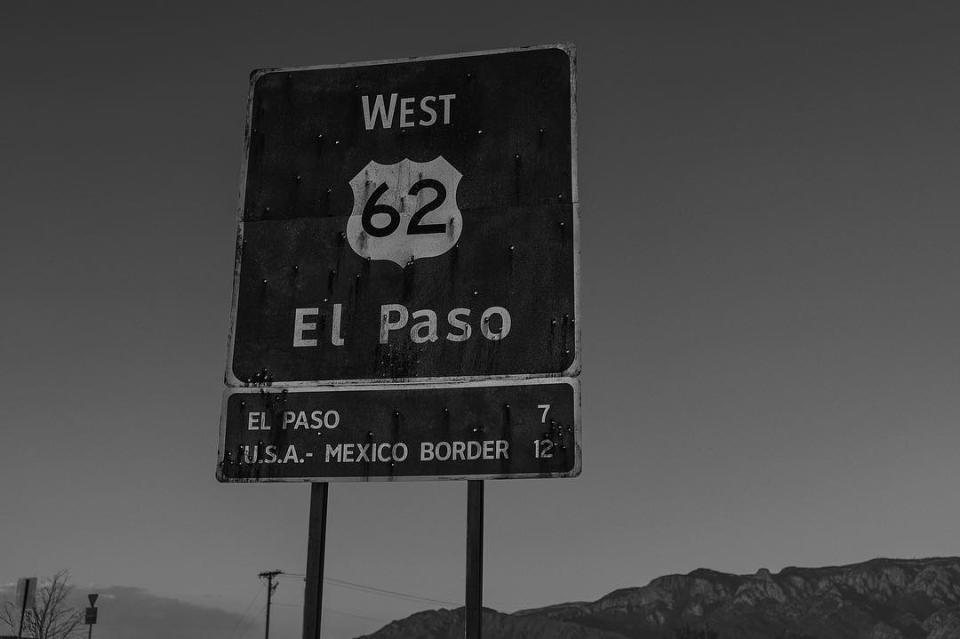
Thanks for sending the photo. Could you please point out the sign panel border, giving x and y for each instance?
(573, 382)
(233, 382)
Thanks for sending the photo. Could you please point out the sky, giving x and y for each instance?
(770, 295)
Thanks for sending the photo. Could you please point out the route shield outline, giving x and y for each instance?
(405, 211)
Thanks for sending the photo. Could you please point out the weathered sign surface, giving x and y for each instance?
(409, 220)
(476, 430)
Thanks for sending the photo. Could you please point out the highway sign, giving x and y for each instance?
(409, 220)
(475, 430)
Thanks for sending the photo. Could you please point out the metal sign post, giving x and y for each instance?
(90, 617)
(473, 613)
(316, 548)
(406, 285)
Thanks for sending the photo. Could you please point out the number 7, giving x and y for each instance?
(544, 408)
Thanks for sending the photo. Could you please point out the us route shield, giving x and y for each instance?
(409, 220)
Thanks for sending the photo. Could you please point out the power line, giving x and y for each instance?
(350, 614)
(243, 614)
(380, 591)
(259, 612)
(334, 610)
(389, 593)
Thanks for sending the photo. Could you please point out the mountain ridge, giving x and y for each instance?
(882, 598)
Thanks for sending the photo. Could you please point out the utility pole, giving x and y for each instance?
(269, 576)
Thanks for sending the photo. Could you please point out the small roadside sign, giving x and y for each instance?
(90, 618)
(409, 220)
(478, 430)
(26, 593)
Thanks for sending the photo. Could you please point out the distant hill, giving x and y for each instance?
(877, 599)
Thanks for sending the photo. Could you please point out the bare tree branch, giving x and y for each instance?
(50, 617)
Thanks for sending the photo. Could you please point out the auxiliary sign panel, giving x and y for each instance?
(409, 220)
(478, 430)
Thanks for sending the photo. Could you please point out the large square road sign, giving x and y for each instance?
(409, 220)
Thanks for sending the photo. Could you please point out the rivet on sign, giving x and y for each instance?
(369, 433)
(333, 272)
(562, 224)
(356, 85)
(516, 156)
(511, 248)
(566, 351)
(266, 209)
(319, 137)
(336, 141)
(342, 236)
(446, 411)
(329, 191)
(479, 131)
(507, 406)
(553, 322)
(475, 293)
(264, 282)
(242, 404)
(559, 196)
(296, 269)
(299, 179)
(396, 413)
(540, 131)
(469, 75)
(358, 276)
